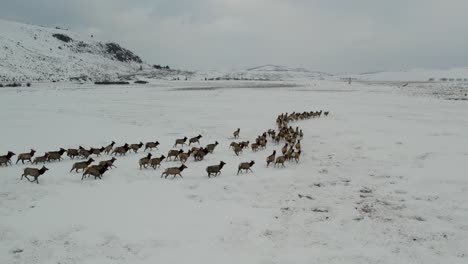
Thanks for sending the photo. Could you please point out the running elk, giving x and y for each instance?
(55, 155)
(195, 140)
(41, 159)
(97, 151)
(211, 147)
(271, 158)
(280, 160)
(184, 156)
(110, 163)
(174, 171)
(26, 156)
(155, 162)
(122, 150)
(180, 141)
(84, 153)
(81, 165)
(6, 159)
(136, 147)
(144, 162)
(109, 148)
(72, 153)
(96, 171)
(174, 153)
(236, 133)
(245, 166)
(215, 169)
(34, 173)
(151, 145)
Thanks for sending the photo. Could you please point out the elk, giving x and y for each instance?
(285, 148)
(55, 155)
(136, 147)
(211, 147)
(155, 162)
(151, 145)
(200, 154)
(296, 156)
(271, 158)
(144, 162)
(254, 147)
(244, 144)
(195, 140)
(84, 152)
(234, 144)
(6, 159)
(97, 151)
(122, 150)
(110, 163)
(180, 141)
(215, 169)
(34, 173)
(96, 171)
(245, 166)
(81, 165)
(298, 145)
(174, 171)
(109, 147)
(280, 160)
(184, 156)
(236, 133)
(174, 153)
(72, 153)
(26, 156)
(263, 142)
(42, 159)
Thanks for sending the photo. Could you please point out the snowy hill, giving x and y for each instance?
(35, 53)
(454, 74)
(277, 68)
(267, 72)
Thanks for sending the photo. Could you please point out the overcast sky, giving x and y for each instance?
(326, 35)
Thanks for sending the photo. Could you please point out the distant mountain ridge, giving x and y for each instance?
(282, 68)
(272, 67)
(418, 74)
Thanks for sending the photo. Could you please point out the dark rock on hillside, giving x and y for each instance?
(62, 37)
(121, 54)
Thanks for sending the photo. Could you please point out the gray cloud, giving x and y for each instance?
(327, 35)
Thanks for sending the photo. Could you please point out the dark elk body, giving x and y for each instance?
(215, 169)
(34, 173)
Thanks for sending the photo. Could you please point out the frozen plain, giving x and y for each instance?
(383, 179)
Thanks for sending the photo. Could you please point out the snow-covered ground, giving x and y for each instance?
(383, 179)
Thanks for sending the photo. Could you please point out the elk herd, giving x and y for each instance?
(290, 152)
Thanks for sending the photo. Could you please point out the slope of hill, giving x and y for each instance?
(35, 53)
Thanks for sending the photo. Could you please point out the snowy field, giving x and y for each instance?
(383, 179)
